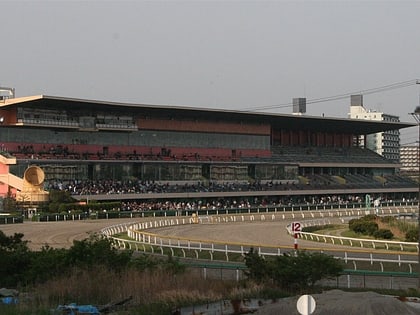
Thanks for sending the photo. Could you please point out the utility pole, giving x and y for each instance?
(416, 116)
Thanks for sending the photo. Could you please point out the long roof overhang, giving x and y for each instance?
(277, 121)
(297, 192)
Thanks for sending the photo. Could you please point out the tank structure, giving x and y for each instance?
(32, 192)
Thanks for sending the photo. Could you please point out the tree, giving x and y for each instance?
(292, 271)
(97, 250)
(321, 266)
(257, 266)
(58, 197)
(46, 263)
(19, 265)
(9, 204)
(14, 259)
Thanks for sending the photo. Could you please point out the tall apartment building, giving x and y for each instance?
(385, 143)
(409, 157)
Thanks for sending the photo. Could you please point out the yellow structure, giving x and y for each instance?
(32, 188)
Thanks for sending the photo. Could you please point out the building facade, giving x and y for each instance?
(409, 157)
(385, 143)
(103, 143)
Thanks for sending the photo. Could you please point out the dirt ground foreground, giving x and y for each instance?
(62, 234)
(349, 303)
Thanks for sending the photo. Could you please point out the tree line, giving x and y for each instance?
(24, 267)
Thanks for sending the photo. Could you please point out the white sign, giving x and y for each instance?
(306, 305)
(296, 227)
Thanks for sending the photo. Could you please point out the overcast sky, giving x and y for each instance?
(240, 55)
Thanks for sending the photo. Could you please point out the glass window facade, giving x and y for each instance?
(163, 172)
(135, 138)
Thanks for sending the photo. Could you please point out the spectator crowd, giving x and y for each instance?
(109, 187)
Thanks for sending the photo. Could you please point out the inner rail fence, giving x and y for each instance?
(140, 237)
(403, 205)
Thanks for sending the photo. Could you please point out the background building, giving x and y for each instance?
(409, 156)
(385, 143)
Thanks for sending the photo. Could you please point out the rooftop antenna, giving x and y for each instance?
(418, 82)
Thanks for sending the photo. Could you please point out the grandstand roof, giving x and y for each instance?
(287, 121)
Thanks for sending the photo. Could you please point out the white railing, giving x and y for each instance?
(142, 240)
(153, 243)
(360, 242)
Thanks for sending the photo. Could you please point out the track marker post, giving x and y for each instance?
(296, 229)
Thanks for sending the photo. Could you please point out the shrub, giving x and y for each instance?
(383, 233)
(363, 226)
(298, 271)
(412, 235)
(97, 250)
(388, 219)
(369, 217)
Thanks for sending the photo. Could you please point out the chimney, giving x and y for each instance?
(299, 106)
(356, 100)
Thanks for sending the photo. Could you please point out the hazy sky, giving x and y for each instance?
(241, 55)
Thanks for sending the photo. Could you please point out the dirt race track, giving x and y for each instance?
(58, 234)
(62, 234)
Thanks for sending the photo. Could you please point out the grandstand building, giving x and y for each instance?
(78, 140)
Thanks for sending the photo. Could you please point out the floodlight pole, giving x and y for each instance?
(416, 116)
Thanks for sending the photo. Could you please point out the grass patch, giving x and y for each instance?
(22, 310)
(323, 229)
(352, 234)
(153, 292)
(343, 231)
